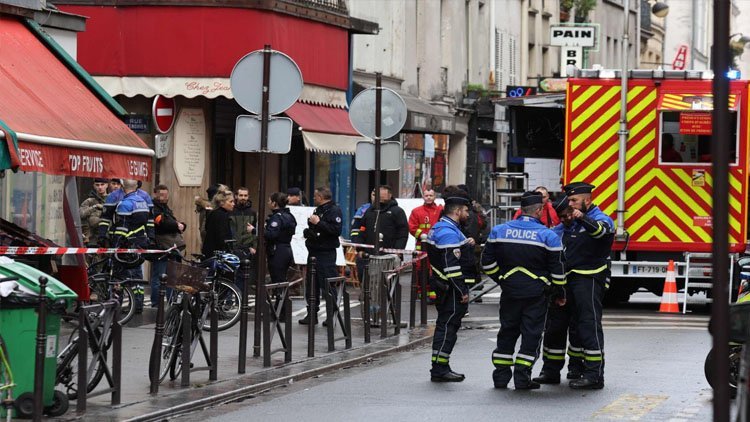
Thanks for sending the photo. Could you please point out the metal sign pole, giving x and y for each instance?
(260, 253)
(378, 123)
(720, 250)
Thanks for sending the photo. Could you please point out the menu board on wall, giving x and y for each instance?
(190, 147)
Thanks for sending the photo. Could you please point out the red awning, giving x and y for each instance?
(325, 129)
(62, 127)
(315, 118)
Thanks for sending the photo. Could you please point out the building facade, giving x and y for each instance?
(188, 53)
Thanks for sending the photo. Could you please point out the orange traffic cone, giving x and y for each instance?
(669, 297)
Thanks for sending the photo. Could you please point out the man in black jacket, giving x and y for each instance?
(322, 240)
(389, 223)
(168, 233)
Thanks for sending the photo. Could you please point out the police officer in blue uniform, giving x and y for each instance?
(280, 227)
(450, 254)
(131, 218)
(560, 325)
(587, 250)
(108, 213)
(107, 228)
(322, 240)
(525, 258)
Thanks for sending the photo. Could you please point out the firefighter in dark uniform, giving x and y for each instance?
(450, 254)
(560, 325)
(587, 252)
(322, 240)
(525, 258)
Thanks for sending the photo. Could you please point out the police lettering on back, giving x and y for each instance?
(521, 234)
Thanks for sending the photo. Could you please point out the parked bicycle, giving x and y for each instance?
(221, 268)
(99, 343)
(108, 279)
(199, 308)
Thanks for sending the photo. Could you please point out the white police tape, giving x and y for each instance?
(419, 254)
(43, 250)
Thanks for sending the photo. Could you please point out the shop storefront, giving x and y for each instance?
(56, 126)
(425, 164)
(216, 37)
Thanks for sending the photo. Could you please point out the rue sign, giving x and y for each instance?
(163, 111)
(572, 36)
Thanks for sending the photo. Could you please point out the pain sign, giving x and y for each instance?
(573, 36)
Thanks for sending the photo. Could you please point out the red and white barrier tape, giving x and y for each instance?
(419, 254)
(32, 250)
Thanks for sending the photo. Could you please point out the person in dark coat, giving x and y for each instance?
(168, 234)
(218, 228)
(389, 223)
(322, 240)
(279, 229)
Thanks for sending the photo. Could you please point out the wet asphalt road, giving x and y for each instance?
(654, 372)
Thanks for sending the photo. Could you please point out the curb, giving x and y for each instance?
(255, 388)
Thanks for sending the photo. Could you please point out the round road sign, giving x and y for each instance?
(163, 111)
(392, 118)
(284, 87)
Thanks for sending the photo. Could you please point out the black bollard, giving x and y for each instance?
(331, 311)
(287, 310)
(156, 347)
(117, 354)
(83, 350)
(187, 329)
(242, 361)
(213, 341)
(41, 343)
(266, 315)
(413, 298)
(425, 285)
(347, 316)
(383, 286)
(312, 306)
(260, 297)
(397, 303)
(366, 294)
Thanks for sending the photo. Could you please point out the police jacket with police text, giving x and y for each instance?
(280, 227)
(524, 256)
(324, 236)
(106, 226)
(390, 222)
(588, 242)
(132, 215)
(450, 253)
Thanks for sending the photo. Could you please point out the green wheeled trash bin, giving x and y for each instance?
(18, 326)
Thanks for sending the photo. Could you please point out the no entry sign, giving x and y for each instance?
(163, 111)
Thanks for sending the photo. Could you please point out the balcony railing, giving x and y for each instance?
(335, 6)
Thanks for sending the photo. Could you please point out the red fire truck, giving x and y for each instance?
(667, 165)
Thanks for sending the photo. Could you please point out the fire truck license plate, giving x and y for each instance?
(648, 269)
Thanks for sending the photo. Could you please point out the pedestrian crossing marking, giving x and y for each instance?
(630, 407)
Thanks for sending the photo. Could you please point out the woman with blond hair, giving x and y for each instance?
(218, 229)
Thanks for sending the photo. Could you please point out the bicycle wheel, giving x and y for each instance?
(102, 290)
(67, 370)
(171, 340)
(228, 305)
